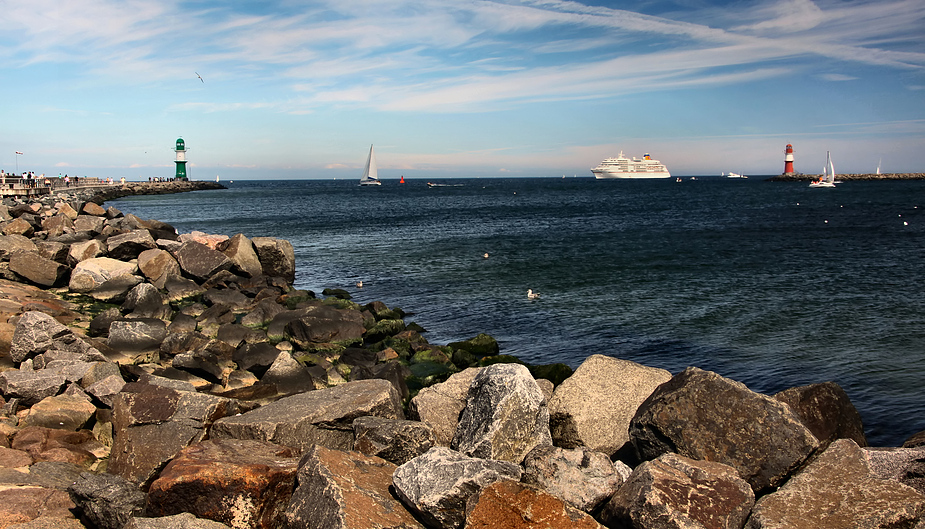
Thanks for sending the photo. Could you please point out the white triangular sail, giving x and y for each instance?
(371, 173)
(829, 169)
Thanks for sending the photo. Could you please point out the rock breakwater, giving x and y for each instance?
(800, 177)
(157, 379)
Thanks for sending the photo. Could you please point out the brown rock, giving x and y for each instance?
(514, 506)
(241, 252)
(200, 261)
(674, 492)
(11, 458)
(277, 257)
(345, 490)
(836, 491)
(93, 209)
(440, 405)
(17, 226)
(703, 416)
(827, 411)
(24, 504)
(244, 484)
(49, 444)
(38, 269)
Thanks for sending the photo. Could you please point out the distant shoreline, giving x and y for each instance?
(800, 177)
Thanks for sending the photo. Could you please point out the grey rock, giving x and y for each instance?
(89, 274)
(262, 313)
(212, 361)
(439, 406)
(505, 415)
(89, 223)
(35, 333)
(277, 257)
(593, 407)
(128, 245)
(288, 375)
(256, 357)
(323, 417)
(240, 250)
(107, 501)
(396, 441)
(905, 465)
(178, 521)
(200, 261)
(137, 336)
(12, 243)
(37, 269)
(106, 389)
(692, 415)
(156, 264)
(146, 301)
(674, 492)
(835, 490)
(115, 289)
(31, 386)
(325, 324)
(438, 484)
(582, 478)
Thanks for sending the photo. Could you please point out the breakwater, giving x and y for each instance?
(800, 177)
(202, 337)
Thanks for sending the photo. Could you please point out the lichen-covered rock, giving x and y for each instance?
(240, 250)
(505, 415)
(835, 490)
(827, 411)
(439, 406)
(89, 274)
(243, 484)
(277, 257)
(396, 441)
(345, 490)
(593, 407)
(582, 478)
(438, 484)
(693, 415)
(518, 506)
(200, 261)
(674, 492)
(105, 500)
(323, 417)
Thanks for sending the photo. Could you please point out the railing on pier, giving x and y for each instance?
(13, 185)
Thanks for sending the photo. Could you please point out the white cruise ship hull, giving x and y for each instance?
(605, 175)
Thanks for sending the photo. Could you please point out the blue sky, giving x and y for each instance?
(299, 89)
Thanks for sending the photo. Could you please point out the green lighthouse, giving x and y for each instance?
(181, 160)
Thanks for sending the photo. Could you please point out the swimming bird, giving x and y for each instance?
(531, 294)
(485, 255)
(199, 76)
(359, 284)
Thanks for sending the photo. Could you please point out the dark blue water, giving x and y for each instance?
(771, 284)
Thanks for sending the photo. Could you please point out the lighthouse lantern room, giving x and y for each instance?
(181, 160)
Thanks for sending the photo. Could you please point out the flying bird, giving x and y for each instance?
(199, 76)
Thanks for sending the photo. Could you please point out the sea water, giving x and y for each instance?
(771, 284)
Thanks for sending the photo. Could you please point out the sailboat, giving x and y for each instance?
(878, 165)
(371, 173)
(828, 174)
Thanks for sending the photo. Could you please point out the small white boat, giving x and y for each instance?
(828, 174)
(371, 173)
(734, 175)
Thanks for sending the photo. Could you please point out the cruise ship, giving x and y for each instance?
(623, 167)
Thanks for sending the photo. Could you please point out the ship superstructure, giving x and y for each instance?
(623, 167)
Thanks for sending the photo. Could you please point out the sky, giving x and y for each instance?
(301, 89)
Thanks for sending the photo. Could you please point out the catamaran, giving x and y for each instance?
(828, 174)
(371, 173)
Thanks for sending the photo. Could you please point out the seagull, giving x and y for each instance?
(359, 284)
(199, 76)
(531, 294)
(485, 255)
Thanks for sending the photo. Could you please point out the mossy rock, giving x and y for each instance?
(481, 345)
(427, 372)
(555, 373)
(338, 293)
(500, 359)
(434, 355)
(385, 328)
(402, 347)
(463, 359)
(413, 326)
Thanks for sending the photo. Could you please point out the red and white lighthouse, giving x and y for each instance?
(788, 159)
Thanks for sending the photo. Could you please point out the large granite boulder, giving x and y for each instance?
(57, 225)
(288, 375)
(89, 223)
(324, 417)
(241, 483)
(593, 407)
(89, 274)
(151, 424)
(184, 520)
(396, 441)
(240, 250)
(156, 264)
(439, 483)
(905, 465)
(325, 324)
(37, 333)
(136, 336)
(277, 257)
(38, 269)
(146, 301)
(582, 478)
(827, 411)
(836, 490)
(127, 246)
(201, 262)
(439, 406)
(703, 416)
(12, 243)
(81, 251)
(505, 415)
(31, 386)
(345, 490)
(514, 505)
(674, 492)
(105, 500)
(66, 412)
